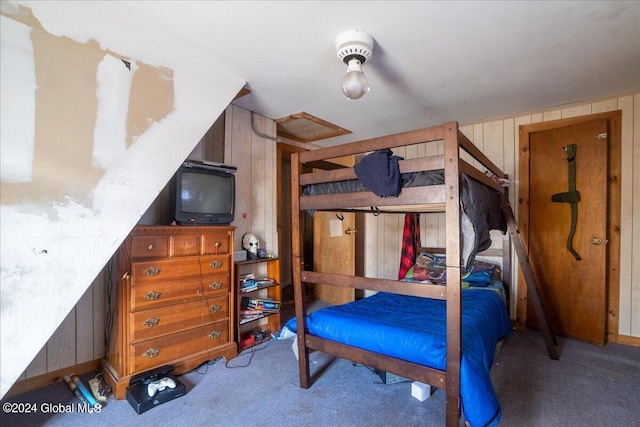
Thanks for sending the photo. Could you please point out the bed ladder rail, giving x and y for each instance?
(532, 285)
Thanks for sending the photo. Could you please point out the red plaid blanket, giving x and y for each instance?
(410, 243)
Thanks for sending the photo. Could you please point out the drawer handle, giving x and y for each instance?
(152, 295)
(151, 353)
(152, 271)
(151, 322)
(217, 245)
(215, 286)
(150, 247)
(215, 334)
(215, 308)
(215, 264)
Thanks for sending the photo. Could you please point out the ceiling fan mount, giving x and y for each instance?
(354, 44)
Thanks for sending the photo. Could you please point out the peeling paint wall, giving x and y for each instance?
(95, 120)
(79, 78)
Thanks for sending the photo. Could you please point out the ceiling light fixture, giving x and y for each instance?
(355, 48)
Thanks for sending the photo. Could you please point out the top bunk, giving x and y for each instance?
(433, 180)
(462, 182)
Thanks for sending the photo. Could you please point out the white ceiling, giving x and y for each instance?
(432, 61)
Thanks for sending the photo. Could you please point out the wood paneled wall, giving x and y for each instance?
(499, 139)
(79, 341)
(250, 147)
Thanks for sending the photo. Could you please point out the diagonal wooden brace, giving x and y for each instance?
(529, 278)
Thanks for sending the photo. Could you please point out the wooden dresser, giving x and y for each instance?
(174, 303)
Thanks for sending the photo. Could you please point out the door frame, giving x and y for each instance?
(284, 152)
(614, 125)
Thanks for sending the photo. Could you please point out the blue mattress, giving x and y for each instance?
(414, 329)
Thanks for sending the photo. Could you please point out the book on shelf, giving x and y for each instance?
(262, 304)
(250, 318)
(246, 278)
(248, 287)
(265, 282)
(248, 283)
(249, 311)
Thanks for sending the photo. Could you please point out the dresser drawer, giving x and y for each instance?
(185, 245)
(161, 351)
(217, 334)
(215, 284)
(216, 243)
(152, 323)
(160, 270)
(149, 246)
(214, 309)
(155, 294)
(215, 264)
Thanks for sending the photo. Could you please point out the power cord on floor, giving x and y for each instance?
(252, 351)
(204, 368)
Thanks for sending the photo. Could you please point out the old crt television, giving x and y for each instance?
(205, 193)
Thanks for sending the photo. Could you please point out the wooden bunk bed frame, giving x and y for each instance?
(434, 198)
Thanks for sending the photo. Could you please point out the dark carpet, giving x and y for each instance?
(589, 386)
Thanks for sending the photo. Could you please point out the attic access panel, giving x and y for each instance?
(303, 127)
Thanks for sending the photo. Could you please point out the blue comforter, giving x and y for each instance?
(414, 329)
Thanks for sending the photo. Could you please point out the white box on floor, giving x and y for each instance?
(420, 391)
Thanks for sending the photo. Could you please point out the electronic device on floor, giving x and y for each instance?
(152, 388)
(389, 378)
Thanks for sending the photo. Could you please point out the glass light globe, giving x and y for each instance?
(354, 83)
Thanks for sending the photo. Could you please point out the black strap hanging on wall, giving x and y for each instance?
(572, 197)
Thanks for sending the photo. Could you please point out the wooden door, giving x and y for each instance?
(334, 238)
(573, 290)
(334, 248)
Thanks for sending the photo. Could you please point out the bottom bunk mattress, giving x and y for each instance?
(414, 329)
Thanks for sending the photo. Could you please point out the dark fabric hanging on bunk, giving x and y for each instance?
(379, 172)
(410, 243)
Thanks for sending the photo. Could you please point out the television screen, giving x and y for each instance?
(206, 193)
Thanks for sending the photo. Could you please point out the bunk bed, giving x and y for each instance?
(443, 305)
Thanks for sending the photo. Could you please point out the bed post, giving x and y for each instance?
(454, 301)
(507, 261)
(296, 261)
